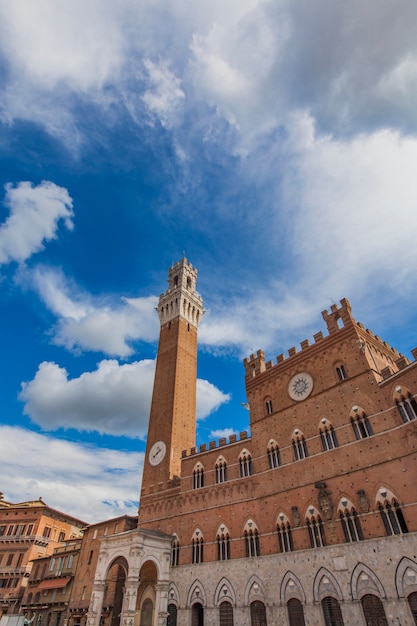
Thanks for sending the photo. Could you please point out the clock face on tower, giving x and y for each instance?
(157, 452)
(300, 386)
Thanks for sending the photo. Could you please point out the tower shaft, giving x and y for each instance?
(172, 422)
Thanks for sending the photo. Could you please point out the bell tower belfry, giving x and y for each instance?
(172, 422)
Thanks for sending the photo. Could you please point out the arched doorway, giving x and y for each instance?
(332, 612)
(113, 598)
(258, 613)
(197, 615)
(172, 615)
(226, 614)
(145, 603)
(295, 612)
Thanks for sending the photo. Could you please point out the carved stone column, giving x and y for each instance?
(96, 603)
(161, 603)
(127, 617)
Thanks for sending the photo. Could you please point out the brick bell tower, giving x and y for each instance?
(172, 422)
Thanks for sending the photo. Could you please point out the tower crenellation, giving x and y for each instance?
(181, 297)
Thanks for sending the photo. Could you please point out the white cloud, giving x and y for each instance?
(90, 483)
(74, 41)
(114, 399)
(164, 93)
(222, 432)
(91, 323)
(209, 398)
(34, 216)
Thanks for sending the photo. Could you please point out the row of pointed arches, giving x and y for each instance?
(365, 587)
(386, 505)
(361, 426)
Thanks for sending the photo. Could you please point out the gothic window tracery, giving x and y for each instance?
(251, 535)
(284, 533)
(315, 528)
(350, 521)
(360, 423)
(391, 513)
(327, 435)
(221, 470)
(299, 445)
(274, 457)
(223, 544)
(406, 404)
(197, 547)
(198, 476)
(245, 464)
(175, 552)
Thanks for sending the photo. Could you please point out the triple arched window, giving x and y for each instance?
(327, 435)
(251, 536)
(360, 423)
(221, 470)
(197, 547)
(315, 529)
(406, 404)
(223, 544)
(198, 476)
(299, 445)
(391, 513)
(284, 534)
(245, 464)
(350, 521)
(274, 457)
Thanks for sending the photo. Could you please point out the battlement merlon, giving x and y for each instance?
(255, 365)
(343, 313)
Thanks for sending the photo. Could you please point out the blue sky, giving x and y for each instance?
(274, 143)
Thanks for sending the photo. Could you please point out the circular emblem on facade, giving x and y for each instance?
(300, 386)
(157, 452)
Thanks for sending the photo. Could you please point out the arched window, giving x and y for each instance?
(226, 614)
(373, 611)
(29, 600)
(258, 614)
(175, 552)
(341, 372)
(197, 615)
(172, 615)
(392, 517)
(245, 464)
(223, 544)
(412, 601)
(295, 612)
(221, 470)
(332, 612)
(406, 404)
(315, 529)
(299, 445)
(284, 534)
(197, 547)
(251, 535)
(360, 423)
(274, 457)
(268, 406)
(351, 525)
(198, 476)
(327, 435)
